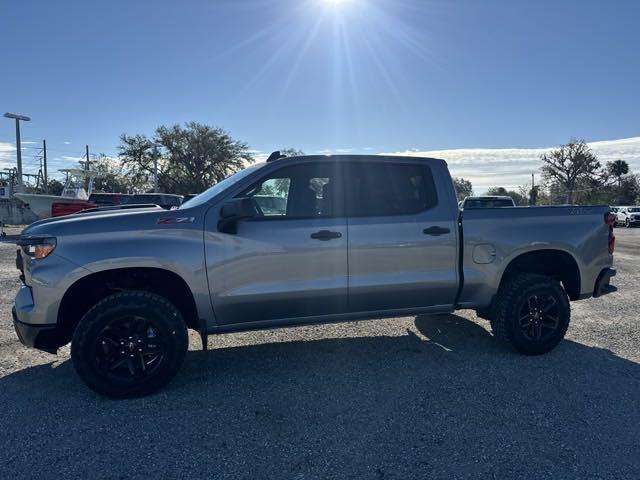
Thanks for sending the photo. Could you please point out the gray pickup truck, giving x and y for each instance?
(352, 237)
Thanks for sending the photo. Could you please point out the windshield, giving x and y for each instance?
(220, 187)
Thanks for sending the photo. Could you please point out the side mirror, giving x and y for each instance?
(233, 211)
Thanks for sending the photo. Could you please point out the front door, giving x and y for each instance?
(290, 261)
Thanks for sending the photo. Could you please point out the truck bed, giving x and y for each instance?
(492, 238)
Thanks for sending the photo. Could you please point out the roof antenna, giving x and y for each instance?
(275, 156)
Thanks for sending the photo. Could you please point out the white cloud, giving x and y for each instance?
(511, 167)
(334, 151)
(71, 158)
(7, 155)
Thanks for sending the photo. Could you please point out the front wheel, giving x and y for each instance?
(532, 313)
(129, 344)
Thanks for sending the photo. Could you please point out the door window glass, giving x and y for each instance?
(385, 189)
(299, 191)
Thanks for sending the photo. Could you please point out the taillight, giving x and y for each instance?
(609, 219)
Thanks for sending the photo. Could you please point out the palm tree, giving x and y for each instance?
(618, 169)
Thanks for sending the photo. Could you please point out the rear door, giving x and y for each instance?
(402, 243)
(290, 261)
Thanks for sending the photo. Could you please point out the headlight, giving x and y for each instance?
(37, 247)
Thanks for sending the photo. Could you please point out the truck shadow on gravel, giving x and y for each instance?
(451, 401)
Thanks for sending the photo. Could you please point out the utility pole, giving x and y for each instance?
(533, 196)
(19, 185)
(44, 158)
(86, 165)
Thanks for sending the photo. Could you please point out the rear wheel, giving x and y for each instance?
(532, 313)
(129, 344)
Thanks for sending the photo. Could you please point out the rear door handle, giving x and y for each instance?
(325, 235)
(435, 231)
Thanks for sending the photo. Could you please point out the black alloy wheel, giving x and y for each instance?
(539, 317)
(129, 344)
(130, 348)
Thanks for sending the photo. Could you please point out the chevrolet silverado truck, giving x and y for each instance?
(353, 237)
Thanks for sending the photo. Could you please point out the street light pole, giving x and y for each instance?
(19, 185)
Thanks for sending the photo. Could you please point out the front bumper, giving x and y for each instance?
(42, 337)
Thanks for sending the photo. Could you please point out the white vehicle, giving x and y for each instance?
(614, 211)
(627, 216)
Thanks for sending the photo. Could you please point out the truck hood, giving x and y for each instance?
(109, 220)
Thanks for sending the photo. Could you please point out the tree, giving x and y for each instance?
(501, 191)
(54, 187)
(137, 153)
(534, 194)
(627, 193)
(570, 164)
(113, 177)
(463, 187)
(189, 159)
(291, 152)
(617, 169)
(530, 195)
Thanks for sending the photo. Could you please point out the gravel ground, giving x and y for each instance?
(425, 397)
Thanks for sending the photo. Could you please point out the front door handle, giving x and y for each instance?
(435, 231)
(325, 235)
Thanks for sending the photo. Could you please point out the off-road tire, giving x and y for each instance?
(149, 305)
(511, 297)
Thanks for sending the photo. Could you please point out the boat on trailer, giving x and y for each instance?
(75, 194)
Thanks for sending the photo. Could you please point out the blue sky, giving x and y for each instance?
(357, 75)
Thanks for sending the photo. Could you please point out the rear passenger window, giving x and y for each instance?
(384, 189)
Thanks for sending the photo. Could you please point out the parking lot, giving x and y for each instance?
(425, 397)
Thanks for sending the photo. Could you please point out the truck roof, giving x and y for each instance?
(277, 157)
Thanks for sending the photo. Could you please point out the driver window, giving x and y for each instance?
(271, 196)
(299, 191)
